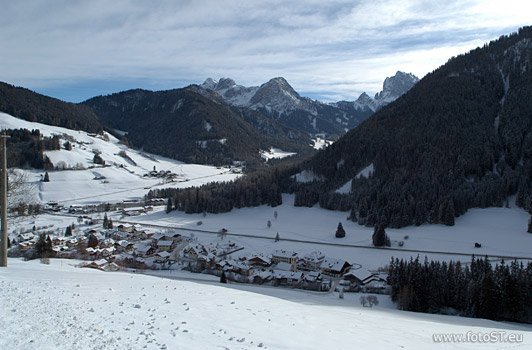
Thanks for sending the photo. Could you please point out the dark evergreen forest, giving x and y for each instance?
(500, 292)
(25, 149)
(460, 138)
(31, 106)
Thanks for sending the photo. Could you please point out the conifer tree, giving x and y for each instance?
(169, 205)
(105, 221)
(379, 236)
(46, 177)
(340, 232)
(530, 225)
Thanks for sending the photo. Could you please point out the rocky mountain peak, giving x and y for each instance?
(394, 87)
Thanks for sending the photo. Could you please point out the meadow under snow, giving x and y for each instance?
(59, 306)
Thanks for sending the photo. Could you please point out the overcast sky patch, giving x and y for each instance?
(328, 50)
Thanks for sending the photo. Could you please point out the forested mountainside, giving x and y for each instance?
(185, 125)
(31, 106)
(460, 138)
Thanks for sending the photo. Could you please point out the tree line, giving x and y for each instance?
(479, 289)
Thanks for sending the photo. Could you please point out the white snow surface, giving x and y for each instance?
(320, 143)
(345, 188)
(120, 180)
(275, 153)
(307, 176)
(501, 231)
(59, 306)
(366, 172)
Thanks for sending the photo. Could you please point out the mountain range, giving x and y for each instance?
(277, 99)
(461, 138)
(212, 123)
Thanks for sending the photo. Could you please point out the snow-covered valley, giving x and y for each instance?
(59, 306)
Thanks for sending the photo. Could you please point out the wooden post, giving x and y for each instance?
(3, 203)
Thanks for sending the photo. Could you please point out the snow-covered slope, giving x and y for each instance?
(77, 179)
(59, 306)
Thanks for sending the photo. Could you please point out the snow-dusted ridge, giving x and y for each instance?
(123, 177)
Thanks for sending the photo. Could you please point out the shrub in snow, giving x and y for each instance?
(372, 300)
(401, 243)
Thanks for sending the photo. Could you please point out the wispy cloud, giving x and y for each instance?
(330, 49)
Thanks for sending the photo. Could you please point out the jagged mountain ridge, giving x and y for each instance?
(278, 99)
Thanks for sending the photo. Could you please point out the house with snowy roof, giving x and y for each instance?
(161, 257)
(164, 245)
(286, 256)
(144, 250)
(334, 267)
(359, 276)
(288, 277)
(311, 261)
(259, 260)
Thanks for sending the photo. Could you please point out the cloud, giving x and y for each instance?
(327, 48)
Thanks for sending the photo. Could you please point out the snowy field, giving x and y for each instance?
(501, 231)
(59, 306)
(122, 178)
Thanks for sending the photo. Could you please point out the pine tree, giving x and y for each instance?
(105, 221)
(277, 237)
(110, 224)
(223, 279)
(530, 225)
(379, 236)
(46, 177)
(43, 247)
(269, 224)
(169, 205)
(68, 231)
(93, 241)
(340, 232)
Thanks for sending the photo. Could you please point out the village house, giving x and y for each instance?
(161, 257)
(287, 278)
(359, 276)
(156, 237)
(289, 257)
(192, 252)
(125, 228)
(259, 260)
(334, 267)
(242, 269)
(284, 266)
(312, 261)
(144, 250)
(165, 246)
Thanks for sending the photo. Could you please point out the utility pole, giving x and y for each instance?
(3, 203)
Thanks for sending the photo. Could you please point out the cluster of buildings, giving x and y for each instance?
(135, 247)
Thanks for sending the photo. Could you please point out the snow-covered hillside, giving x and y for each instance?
(59, 306)
(126, 174)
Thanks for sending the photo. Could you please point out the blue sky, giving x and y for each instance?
(329, 50)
